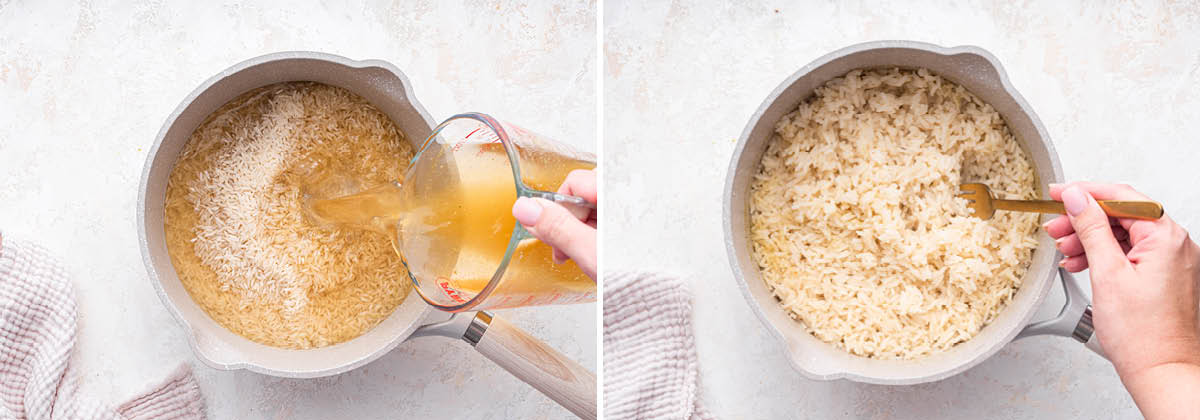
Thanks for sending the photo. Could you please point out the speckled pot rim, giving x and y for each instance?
(822, 361)
(214, 345)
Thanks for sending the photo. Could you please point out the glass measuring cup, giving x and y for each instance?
(458, 239)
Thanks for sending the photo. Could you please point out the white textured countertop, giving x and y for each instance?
(1117, 87)
(85, 87)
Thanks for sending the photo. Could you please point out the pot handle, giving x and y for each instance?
(1074, 320)
(563, 380)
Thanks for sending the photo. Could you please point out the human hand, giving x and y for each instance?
(570, 231)
(1146, 300)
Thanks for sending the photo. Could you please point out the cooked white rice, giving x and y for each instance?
(856, 227)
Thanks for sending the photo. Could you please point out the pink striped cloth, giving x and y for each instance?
(37, 334)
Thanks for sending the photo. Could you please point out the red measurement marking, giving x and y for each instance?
(449, 290)
(526, 301)
(485, 147)
(473, 132)
(518, 130)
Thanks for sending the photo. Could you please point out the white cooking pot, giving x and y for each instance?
(979, 72)
(385, 87)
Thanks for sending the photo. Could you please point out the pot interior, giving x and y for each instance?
(975, 70)
(380, 84)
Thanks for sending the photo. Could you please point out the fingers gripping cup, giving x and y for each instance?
(460, 243)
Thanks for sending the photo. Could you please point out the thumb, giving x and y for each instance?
(555, 225)
(1091, 226)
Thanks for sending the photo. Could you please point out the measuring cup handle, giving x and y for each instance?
(567, 383)
(1074, 320)
(561, 198)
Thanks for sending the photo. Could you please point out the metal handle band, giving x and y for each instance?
(1084, 329)
(479, 325)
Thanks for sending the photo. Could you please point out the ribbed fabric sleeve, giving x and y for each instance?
(37, 335)
(177, 398)
(650, 365)
(37, 329)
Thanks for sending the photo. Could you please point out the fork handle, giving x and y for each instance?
(1142, 210)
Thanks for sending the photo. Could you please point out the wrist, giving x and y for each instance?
(1167, 355)
(1165, 390)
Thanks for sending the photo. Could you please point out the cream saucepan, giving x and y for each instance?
(979, 72)
(385, 87)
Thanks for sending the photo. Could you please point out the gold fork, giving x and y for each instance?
(979, 198)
